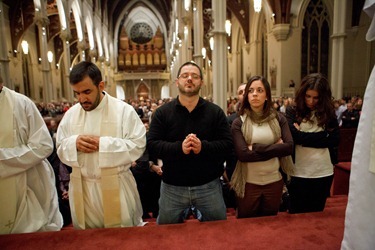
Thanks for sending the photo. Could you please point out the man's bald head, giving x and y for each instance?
(241, 91)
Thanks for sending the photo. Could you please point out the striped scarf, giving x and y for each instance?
(238, 180)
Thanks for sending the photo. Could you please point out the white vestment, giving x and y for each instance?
(28, 198)
(360, 212)
(116, 152)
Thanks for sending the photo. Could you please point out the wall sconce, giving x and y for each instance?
(228, 26)
(176, 23)
(211, 43)
(50, 56)
(25, 47)
(257, 5)
(204, 52)
(186, 31)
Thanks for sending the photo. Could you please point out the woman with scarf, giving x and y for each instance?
(313, 124)
(263, 143)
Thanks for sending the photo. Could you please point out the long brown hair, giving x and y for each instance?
(325, 110)
(267, 108)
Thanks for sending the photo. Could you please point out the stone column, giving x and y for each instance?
(81, 50)
(4, 59)
(93, 54)
(198, 32)
(48, 95)
(185, 28)
(65, 37)
(338, 39)
(279, 65)
(219, 54)
(181, 56)
(109, 77)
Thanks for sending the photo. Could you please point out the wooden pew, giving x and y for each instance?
(341, 176)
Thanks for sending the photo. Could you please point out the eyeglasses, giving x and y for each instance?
(193, 76)
(258, 90)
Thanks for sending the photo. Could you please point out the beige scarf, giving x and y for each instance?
(8, 185)
(238, 180)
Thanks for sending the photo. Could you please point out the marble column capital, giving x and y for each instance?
(65, 35)
(81, 45)
(42, 21)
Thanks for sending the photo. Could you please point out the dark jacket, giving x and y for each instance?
(350, 119)
(328, 138)
(170, 125)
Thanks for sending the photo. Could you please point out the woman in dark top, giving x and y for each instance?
(262, 141)
(315, 131)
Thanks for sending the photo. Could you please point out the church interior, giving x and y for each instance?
(139, 45)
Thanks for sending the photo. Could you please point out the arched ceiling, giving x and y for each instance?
(141, 14)
(157, 13)
(116, 7)
(239, 8)
(126, 13)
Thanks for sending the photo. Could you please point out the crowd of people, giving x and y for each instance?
(113, 163)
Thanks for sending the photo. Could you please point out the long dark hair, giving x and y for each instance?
(325, 110)
(267, 108)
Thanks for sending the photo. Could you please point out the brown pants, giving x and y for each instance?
(260, 200)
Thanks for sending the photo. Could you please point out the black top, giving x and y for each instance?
(328, 138)
(171, 123)
(350, 119)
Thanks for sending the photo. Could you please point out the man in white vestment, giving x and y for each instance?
(359, 230)
(99, 138)
(28, 197)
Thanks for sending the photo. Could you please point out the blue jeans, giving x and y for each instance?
(207, 199)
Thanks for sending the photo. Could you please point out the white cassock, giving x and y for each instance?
(28, 197)
(359, 230)
(102, 190)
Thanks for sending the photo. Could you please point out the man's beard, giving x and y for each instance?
(93, 105)
(189, 93)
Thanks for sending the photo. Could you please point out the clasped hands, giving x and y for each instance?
(191, 143)
(87, 143)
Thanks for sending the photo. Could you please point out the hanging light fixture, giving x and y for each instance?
(257, 5)
(228, 26)
(25, 47)
(50, 56)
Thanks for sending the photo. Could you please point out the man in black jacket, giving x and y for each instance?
(350, 117)
(192, 138)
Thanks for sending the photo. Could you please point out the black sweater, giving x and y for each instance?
(171, 123)
(328, 138)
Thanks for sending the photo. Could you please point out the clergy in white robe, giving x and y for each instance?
(359, 230)
(28, 196)
(99, 138)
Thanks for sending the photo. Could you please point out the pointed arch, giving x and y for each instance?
(315, 39)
